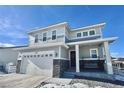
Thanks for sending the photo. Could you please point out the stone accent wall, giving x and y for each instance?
(96, 64)
(59, 66)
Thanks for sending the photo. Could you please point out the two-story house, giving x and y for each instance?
(57, 48)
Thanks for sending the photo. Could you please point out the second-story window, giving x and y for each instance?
(92, 32)
(53, 35)
(36, 39)
(40, 37)
(44, 36)
(85, 33)
(78, 34)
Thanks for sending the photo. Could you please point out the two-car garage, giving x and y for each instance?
(39, 63)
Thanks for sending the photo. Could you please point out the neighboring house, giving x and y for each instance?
(8, 55)
(118, 63)
(57, 48)
(118, 68)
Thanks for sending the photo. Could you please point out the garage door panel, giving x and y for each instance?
(44, 63)
(38, 65)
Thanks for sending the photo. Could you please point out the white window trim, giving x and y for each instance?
(101, 33)
(77, 33)
(52, 35)
(87, 33)
(92, 30)
(84, 37)
(43, 36)
(37, 37)
(40, 37)
(93, 49)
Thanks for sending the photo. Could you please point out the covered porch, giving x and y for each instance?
(90, 56)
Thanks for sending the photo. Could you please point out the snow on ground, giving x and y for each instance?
(68, 83)
(59, 80)
(2, 74)
(75, 85)
(94, 83)
(78, 83)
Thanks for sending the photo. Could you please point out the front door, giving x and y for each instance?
(18, 66)
(72, 58)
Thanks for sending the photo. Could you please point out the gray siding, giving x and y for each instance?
(100, 51)
(73, 34)
(84, 51)
(60, 33)
(64, 52)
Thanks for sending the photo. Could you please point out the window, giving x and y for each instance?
(44, 36)
(46, 55)
(36, 39)
(56, 54)
(85, 33)
(78, 34)
(92, 32)
(50, 55)
(94, 53)
(38, 55)
(40, 37)
(53, 35)
(42, 55)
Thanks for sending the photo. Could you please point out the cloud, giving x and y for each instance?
(4, 23)
(11, 26)
(117, 54)
(6, 45)
(16, 35)
(114, 54)
(11, 29)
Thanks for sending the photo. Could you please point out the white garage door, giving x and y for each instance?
(40, 63)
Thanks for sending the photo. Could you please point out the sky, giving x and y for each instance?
(16, 21)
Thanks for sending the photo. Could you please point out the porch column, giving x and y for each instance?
(108, 58)
(59, 52)
(119, 65)
(77, 58)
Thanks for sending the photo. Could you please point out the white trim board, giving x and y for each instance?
(44, 45)
(88, 27)
(48, 27)
(94, 41)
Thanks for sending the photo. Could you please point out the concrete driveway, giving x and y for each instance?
(21, 80)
